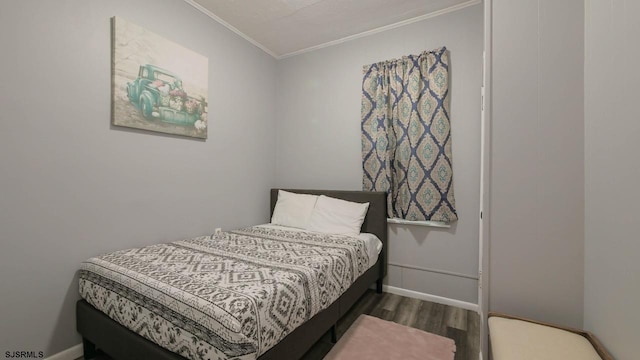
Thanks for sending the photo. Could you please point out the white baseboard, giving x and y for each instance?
(433, 298)
(71, 353)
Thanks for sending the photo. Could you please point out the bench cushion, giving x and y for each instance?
(522, 340)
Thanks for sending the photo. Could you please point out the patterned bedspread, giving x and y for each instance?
(230, 295)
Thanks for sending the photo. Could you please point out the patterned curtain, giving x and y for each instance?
(406, 137)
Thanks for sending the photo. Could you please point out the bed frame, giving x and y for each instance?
(101, 332)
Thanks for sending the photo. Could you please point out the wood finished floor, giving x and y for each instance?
(458, 324)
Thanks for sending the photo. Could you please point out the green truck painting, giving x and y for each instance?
(158, 94)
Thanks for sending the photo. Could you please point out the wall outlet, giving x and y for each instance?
(217, 231)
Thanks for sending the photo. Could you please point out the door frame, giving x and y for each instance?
(485, 183)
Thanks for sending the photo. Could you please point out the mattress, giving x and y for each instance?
(231, 295)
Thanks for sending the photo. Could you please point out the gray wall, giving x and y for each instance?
(612, 175)
(74, 187)
(537, 164)
(318, 139)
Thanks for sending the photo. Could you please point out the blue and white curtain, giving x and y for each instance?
(406, 136)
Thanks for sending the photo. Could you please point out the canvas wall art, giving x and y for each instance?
(157, 85)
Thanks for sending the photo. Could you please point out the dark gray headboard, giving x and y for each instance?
(375, 221)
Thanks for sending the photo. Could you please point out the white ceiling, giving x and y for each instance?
(287, 27)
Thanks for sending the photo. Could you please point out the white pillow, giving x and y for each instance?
(293, 209)
(336, 216)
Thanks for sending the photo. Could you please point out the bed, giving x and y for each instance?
(286, 336)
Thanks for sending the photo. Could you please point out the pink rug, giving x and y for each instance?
(373, 338)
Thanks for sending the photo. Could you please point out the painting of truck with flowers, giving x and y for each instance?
(157, 85)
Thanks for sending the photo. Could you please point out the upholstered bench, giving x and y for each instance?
(523, 339)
